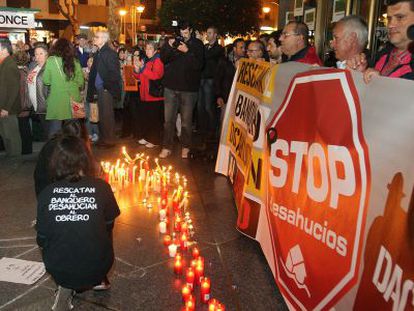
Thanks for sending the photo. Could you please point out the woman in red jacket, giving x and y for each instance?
(152, 107)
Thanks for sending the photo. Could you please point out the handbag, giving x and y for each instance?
(77, 108)
(156, 88)
(93, 112)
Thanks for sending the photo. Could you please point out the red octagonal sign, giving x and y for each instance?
(319, 182)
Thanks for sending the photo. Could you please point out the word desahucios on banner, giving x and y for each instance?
(321, 168)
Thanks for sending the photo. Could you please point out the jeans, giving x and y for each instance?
(53, 126)
(185, 102)
(206, 108)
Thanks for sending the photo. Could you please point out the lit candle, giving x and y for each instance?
(185, 292)
(220, 307)
(199, 273)
(193, 263)
(183, 242)
(195, 252)
(212, 304)
(172, 250)
(184, 228)
(177, 224)
(189, 277)
(178, 267)
(163, 227)
(167, 240)
(190, 303)
(205, 290)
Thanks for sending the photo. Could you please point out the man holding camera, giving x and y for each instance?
(183, 60)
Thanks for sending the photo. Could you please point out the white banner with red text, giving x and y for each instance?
(323, 177)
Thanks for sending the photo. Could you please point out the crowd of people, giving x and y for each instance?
(172, 81)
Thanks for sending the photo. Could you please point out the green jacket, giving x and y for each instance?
(10, 86)
(61, 90)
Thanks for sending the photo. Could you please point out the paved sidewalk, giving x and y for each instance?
(142, 277)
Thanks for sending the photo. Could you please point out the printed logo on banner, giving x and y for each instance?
(319, 182)
(387, 281)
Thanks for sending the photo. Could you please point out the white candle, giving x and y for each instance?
(163, 227)
(172, 249)
(163, 214)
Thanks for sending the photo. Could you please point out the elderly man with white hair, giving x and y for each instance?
(350, 37)
(105, 81)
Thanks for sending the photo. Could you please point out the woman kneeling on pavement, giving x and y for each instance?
(75, 218)
(152, 105)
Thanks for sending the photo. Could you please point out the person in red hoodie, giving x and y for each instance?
(152, 106)
(295, 44)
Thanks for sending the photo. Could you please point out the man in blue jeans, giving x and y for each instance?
(183, 60)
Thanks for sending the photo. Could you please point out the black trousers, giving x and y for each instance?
(130, 115)
(106, 117)
(151, 119)
(25, 134)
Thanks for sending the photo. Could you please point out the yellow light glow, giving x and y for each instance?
(122, 12)
(266, 9)
(140, 9)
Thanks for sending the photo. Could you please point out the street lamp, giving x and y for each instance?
(134, 10)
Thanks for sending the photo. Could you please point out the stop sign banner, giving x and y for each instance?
(318, 189)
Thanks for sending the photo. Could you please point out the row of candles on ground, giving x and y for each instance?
(159, 180)
(194, 274)
(148, 180)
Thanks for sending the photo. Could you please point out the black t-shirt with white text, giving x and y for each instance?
(74, 226)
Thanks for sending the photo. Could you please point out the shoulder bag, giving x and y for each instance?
(78, 108)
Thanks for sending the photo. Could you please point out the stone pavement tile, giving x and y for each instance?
(251, 275)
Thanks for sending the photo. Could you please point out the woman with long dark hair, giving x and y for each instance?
(64, 75)
(75, 218)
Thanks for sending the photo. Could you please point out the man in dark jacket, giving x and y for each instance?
(183, 60)
(226, 69)
(81, 52)
(206, 106)
(105, 80)
(295, 44)
(9, 100)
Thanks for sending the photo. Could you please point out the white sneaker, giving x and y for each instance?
(150, 145)
(184, 153)
(165, 153)
(142, 141)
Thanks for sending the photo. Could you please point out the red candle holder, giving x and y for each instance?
(220, 307)
(189, 277)
(177, 224)
(193, 263)
(184, 242)
(212, 304)
(190, 303)
(167, 240)
(205, 290)
(185, 292)
(195, 252)
(178, 267)
(184, 228)
(199, 273)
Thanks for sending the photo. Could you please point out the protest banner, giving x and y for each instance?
(326, 187)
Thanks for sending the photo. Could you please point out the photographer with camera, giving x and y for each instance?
(183, 60)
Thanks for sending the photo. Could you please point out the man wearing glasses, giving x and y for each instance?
(295, 44)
